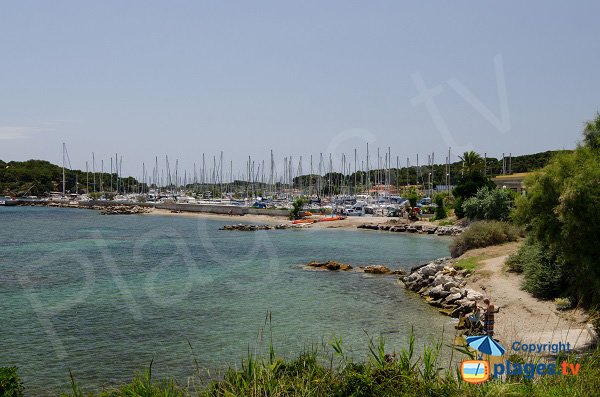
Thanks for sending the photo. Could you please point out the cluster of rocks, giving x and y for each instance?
(252, 228)
(442, 286)
(330, 265)
(124, 210)
(422, 229)
(373, 269)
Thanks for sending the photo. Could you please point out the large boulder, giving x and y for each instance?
(453, 297)
(430, 269)
(454, 290)
(441, 278)
(451, 285)
(438, 292)
(473, 295)
(377, 269)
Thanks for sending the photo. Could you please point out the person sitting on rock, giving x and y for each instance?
(471, 321)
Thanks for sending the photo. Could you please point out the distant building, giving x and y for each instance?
(444, 188)
(512, 182)
(381, 189)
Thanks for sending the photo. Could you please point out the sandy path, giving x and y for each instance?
(523, 317)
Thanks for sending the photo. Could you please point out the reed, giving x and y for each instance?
(402, 373)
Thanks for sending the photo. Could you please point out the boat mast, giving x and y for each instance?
(63, 170)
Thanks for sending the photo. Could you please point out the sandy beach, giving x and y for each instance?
(348, 223)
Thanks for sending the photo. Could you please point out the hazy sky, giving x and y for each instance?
(179, 78)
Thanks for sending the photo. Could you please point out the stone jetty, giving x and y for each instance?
(442, 286)
(410, 228)
(253, 228)
(124, 210)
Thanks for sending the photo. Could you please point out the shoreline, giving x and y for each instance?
(349, 223)
(271, 220)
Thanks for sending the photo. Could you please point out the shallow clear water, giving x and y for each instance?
(104, 295)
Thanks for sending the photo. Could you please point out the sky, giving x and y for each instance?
(183, 78)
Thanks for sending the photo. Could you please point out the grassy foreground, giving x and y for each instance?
(404, 373)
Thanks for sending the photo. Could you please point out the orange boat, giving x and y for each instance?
(299, 221)
(332, 218)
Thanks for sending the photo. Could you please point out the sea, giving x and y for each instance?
(102, 297)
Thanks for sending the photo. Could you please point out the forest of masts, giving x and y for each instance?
(321, 176)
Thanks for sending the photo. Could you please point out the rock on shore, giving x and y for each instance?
(442, 286)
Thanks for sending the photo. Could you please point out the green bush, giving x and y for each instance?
(483, 234)
(297, 207)
(544, 271)
(412, 197)
(10, 384)
(528, 253)
(489, 204)
(440, 210)
(458, 207)
(545, 274)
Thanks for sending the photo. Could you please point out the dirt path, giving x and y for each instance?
(523, 317)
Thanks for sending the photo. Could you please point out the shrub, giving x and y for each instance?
(297, 207)
(412, 197)
(488, 204)
(545, 274)
(483, 234)
(528, 253)
(458, 207)
(10, 384)
(440, 211)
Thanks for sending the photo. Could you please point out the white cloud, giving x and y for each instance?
(9, 133)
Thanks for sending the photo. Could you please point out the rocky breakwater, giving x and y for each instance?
(124, 210)
(417, 228)
(253, 228)
(442, 286)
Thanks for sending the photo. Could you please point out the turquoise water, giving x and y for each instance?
(105, 295)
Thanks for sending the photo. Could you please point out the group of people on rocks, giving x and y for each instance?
(480, 319)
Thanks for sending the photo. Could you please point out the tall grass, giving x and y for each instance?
(483, 234)
(402, 373)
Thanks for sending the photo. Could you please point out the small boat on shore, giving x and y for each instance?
(332, 218)
(301, 221)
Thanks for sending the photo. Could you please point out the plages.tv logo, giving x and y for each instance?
(475, 371)
(479, 371)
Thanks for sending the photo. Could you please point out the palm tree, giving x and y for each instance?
(591, 133)
(472, 162)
